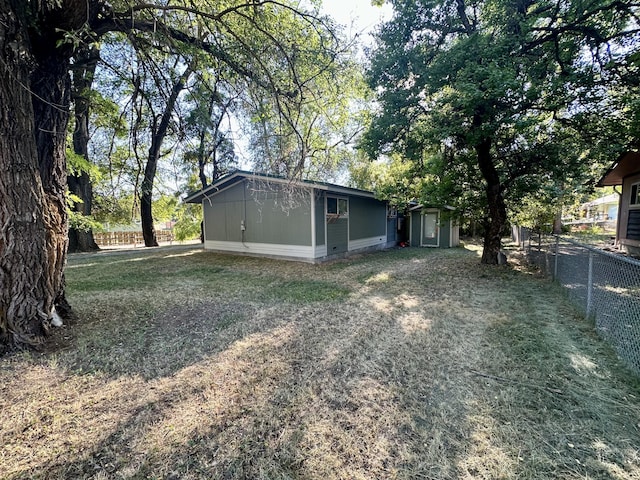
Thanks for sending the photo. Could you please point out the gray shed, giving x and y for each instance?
(433, 227)
(264, 215)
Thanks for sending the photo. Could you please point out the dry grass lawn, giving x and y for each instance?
(408, 364)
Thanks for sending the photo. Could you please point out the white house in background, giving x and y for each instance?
(601, 209)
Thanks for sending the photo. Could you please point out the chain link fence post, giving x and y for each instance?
(590, 286)
(555, 263)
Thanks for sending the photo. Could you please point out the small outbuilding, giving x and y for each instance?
(626, 172)
(433, 227)
(264, 215)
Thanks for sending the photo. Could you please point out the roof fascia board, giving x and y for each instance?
(258, 177)
(625, 165)
(204, 193)
(421, 207)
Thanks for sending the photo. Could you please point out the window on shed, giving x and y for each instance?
(332, 205)
(635, 194)
(342, 206)
(337, 206)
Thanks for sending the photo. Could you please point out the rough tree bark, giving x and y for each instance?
(37, 41)
(495, 200)
(86, 60)
(34, 105)
(159, 132)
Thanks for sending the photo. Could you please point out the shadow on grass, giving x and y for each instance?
(431, 367)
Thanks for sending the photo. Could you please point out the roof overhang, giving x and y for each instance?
(422, 207)
(240, 175)
(627, 164)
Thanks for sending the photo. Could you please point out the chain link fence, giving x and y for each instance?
(604, 285)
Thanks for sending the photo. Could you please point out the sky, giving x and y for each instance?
(358, 16)
(359, 13)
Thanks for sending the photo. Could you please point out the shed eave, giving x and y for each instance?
(238, 175)
(215, 187)
(421, 207)
(627, 164)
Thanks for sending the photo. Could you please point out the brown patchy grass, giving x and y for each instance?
(408, 364)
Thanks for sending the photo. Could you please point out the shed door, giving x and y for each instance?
(430, 230)
(337, 216)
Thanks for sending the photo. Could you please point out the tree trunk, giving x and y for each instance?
(495, 201)
(80, 183)
(557, 222)
(159, 133)
(146, 202)
(33, 220)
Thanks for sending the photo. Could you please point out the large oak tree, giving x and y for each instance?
(492, 85)
(38, 42)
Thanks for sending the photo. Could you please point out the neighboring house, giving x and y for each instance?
(432, 227)
(626, 172)
(257, 214)
(601, 209)
(601, 212)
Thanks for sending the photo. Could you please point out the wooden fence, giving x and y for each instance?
(107, 239)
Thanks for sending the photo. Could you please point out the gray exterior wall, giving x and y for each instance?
(223, 213)
(414, 229)
(337, 236)
(632, 246)
(246, 217)
(367, 218)
(320, 218)
(444, 230)
(264, 219)
(392, 230)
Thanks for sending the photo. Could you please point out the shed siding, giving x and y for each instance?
(445, 231)
(320, 218)
(222, 215)
(448, 230)
(367, 218)
(264, 219)
(392, 230)
(337, 234)
(416, 225)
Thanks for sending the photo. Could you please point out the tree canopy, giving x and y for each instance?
(494, 92)
(280, 51)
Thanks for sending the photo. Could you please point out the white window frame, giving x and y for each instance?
(338, 213)
(634, 202)
(437, 228)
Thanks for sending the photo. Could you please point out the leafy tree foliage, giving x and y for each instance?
(488, 92)
(210, 152)
(40, 40)
(188, 221)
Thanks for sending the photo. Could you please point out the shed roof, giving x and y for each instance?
(627, 164)
(413, 206)
(239, 175)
